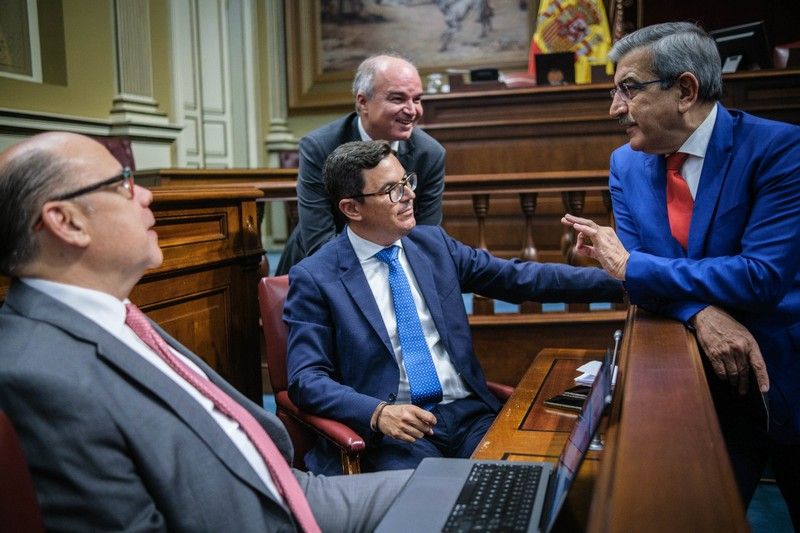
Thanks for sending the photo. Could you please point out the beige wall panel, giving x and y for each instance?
(89, 88)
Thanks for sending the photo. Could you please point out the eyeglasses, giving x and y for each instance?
(125, 179)
(628, 89)
(397, 190)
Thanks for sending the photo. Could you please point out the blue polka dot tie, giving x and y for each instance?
(426, 391)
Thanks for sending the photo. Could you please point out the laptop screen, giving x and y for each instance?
(577, 444)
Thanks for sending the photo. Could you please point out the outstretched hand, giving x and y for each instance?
(406, 422)
(600, 243)
(730, 348)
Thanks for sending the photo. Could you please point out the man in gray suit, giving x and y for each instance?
(388, 97)
(116, 439)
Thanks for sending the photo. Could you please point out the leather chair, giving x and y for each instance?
(303, 428)
(19, 508)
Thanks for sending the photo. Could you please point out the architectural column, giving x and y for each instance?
(279, 138)
(135, 112)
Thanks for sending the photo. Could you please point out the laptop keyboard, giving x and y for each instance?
(495, 497)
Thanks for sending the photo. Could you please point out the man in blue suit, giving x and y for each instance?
(729, 267)
(387, 91)
(350, 357)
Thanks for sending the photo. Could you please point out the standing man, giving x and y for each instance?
(123, 428)
(388, 99)
(707, 207)
(378, 334)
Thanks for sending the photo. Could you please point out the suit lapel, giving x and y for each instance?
(405, 154)
(352, 277)
(110, 350)
(715, 170)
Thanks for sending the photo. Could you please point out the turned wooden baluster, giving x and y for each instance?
(480, 205)
(527, 201)
(574, 202)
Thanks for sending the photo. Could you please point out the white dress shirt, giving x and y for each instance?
(696, 146)
(109, 314)
(377, 274)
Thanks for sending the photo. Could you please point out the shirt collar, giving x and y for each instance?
(102, 308)
(365, 249)
(697, 143)
(365, 137)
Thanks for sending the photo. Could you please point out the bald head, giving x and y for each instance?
(32, 171)
(377, 66)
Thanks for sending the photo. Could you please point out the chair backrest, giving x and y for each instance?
(271, 296)
(19, 508)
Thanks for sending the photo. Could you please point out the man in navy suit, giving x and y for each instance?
(735, 277)
(346, 357)
(388, 98)
(116, 438)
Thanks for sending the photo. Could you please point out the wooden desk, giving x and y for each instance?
(527, 430)
(664, 466)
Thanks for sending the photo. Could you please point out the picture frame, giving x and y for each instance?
(321, 60)
(20, 56)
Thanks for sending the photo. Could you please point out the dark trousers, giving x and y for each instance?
(460, 425)
(743, 419)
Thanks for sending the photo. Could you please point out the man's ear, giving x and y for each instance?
(361, 102)
(66, 221)
(689, 88)
(350, 208)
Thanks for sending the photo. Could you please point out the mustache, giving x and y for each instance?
(626, 121)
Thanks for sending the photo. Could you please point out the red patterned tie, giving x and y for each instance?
(679, 200)
(278, 467)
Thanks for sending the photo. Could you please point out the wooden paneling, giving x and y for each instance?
(204, 293)
(664, 436)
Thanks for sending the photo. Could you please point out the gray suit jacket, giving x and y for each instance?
(320, 220)
(112, 442)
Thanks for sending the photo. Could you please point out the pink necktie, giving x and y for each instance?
(679, 200)
(278, 467)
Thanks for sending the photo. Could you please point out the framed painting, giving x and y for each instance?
(327, 39)
(19, 40)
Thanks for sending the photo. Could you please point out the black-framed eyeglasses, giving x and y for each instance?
(629, 89)
(125, 179)
(395, 191)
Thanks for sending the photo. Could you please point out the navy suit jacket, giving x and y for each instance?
(743, 244)
(341, 363)
(319, 221)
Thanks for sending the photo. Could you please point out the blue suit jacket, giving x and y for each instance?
(743, 243)
(341, 363)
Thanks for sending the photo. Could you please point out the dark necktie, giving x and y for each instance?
(426, 391)
(679, 200)
(278, 467)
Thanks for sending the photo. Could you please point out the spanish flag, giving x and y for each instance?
(579, 26)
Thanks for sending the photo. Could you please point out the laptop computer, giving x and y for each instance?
(432, 498)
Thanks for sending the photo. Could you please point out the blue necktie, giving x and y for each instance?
(426, 391)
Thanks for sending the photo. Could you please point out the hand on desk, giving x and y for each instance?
(600, 243)
(730, 348)
(406, 422)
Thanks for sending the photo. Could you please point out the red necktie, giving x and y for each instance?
(278, 467)
(679, 200)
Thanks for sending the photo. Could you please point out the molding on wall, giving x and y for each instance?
(151, 143)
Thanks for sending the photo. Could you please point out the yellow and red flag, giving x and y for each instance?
(578, 26)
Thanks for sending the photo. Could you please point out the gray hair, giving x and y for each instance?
(364, 81)
(675, 48)
(26, 182)
(344, 168)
